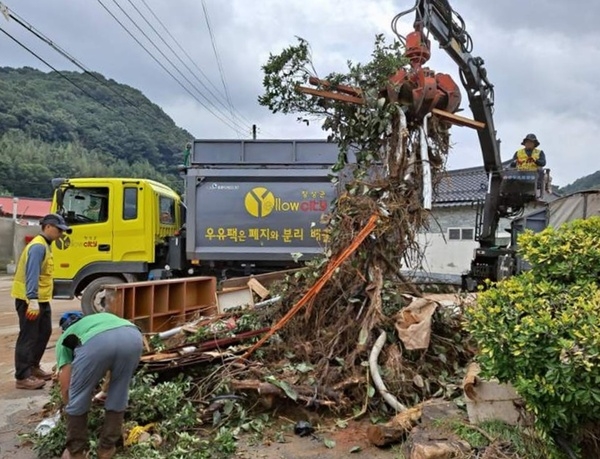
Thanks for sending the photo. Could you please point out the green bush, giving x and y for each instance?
(540, 330)
(568, 254)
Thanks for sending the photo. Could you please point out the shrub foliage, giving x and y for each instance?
(540, 330)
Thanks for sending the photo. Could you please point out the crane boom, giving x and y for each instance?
(437, 17)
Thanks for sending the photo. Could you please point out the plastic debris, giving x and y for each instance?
(47, 424)
(303, 428)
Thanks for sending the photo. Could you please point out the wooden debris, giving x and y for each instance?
(457, 119)
(159, 356)
(470, 380)
(258, 288)
(234, 298)
(396, 429)
(147, 347)
(190, 354)
(266, 279)
(190, 329)
(268, 390)
(331, 95)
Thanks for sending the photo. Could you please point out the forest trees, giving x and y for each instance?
(49, 128)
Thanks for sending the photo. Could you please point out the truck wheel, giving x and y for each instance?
(92, 299)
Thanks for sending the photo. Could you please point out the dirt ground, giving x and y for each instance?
(20, 411)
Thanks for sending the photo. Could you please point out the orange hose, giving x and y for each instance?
(316, 288)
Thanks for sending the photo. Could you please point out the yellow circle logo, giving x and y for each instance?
(259, 202)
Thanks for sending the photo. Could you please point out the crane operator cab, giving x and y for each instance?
(520, 187)
(528, 180)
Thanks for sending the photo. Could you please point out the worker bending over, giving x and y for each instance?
(103, 342)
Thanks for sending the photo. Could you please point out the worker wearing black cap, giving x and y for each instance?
(32, 291)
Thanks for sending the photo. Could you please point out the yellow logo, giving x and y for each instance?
(259, 202)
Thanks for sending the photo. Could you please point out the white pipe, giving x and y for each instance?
(426, 167)
(275, 299)
(377, 381)
(169, 333)
(173, 331)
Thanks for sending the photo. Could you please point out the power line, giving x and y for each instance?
(192, 72)
(168, 32)
(230, 124)
(57, 71)
(23, 23)
(218, 59)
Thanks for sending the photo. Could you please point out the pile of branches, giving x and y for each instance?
(337, 328)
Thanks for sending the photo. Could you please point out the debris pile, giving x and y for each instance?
(349, 325)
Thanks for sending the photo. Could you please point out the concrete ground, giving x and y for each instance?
(20, 409)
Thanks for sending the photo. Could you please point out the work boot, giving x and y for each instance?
(77, 437)
(37, 372)
(31, 383)
(111, 433)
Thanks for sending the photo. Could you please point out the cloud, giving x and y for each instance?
(542, 56)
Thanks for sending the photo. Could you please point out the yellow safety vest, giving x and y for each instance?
(19, 287)
(525, 162)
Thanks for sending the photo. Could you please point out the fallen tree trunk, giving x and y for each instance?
(395, 430)
(269, 390)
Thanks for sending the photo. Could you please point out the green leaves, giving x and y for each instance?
(541, 330)
(284, 386)
(566, 254)
(329, 443)
(362, 126)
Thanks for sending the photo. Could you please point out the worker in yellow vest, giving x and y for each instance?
(529, 158)
(32, 291)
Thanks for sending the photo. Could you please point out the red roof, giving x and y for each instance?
(26, 207)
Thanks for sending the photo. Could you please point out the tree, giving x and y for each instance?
(385, 182)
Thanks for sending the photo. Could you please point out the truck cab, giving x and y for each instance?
(121, 229)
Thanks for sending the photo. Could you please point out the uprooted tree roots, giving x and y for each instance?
(397, 164)
(336, 330)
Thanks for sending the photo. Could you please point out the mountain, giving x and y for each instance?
(588, 182)
(50, 127)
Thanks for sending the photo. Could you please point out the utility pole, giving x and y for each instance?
(254, 132)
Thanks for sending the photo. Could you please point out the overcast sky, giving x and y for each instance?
(543, 56)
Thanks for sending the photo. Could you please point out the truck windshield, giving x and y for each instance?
(86, 205)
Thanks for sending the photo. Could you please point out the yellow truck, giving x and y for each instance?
(251, 207)
(120, 232)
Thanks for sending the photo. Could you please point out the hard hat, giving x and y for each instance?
(69, 318)
(531, 137)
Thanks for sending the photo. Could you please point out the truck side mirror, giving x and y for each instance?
(59, 198)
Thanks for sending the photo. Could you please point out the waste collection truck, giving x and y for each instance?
(250, 206)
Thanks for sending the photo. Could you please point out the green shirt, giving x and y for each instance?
(85, 328)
